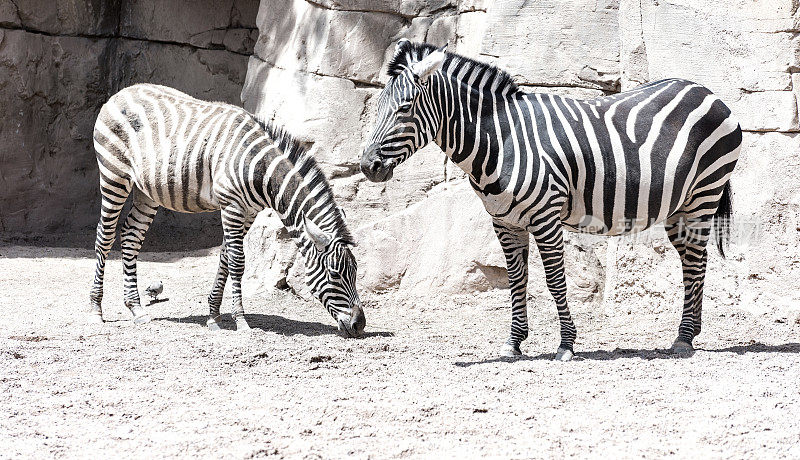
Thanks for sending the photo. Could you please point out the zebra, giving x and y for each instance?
(165, 148)
(541, 163)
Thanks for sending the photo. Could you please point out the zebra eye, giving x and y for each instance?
(334, 274)
(405, 106)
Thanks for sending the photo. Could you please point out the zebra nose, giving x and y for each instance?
(371, 164)
(358, 321)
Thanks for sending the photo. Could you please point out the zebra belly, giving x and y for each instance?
(174, 183)
(179, 193)
(575, 218)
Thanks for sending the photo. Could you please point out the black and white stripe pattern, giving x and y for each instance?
(541, 163)
(165, 148)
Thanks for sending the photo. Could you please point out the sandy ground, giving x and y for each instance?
(426, 380)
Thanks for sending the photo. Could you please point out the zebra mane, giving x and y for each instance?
(409, 53)
(310, 170)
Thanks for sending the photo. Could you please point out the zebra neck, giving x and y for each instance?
(319, 208)
(473, 120)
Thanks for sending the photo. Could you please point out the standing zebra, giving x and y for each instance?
(168, 149)
(662, 152)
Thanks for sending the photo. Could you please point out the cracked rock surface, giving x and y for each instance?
(61, 60)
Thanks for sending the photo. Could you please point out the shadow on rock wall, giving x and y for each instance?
(60, 61)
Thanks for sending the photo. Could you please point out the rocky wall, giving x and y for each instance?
(318, 65)
(60, 60)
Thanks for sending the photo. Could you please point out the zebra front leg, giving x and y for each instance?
(550, 241)
(234, 224)
(689, 236)
(113, 196)
(515, 244)
(132, 235)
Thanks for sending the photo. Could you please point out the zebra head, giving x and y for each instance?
(331, 275)
(408, 118)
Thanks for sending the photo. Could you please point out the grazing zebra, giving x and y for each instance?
(662, 152)
(168, 149)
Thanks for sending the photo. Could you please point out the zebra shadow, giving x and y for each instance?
(645, 354)
(277, 324)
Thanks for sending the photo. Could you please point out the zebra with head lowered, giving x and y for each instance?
(168, 149)
(541, 163)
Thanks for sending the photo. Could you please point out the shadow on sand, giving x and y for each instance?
(625, 353)
(277, 324)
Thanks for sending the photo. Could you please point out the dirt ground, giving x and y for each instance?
(425, 381)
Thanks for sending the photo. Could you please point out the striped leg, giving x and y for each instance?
(234, 226)
(549, 238)
(131, 237)
(515, 247)
(689, 235)
(215, 297)
(113, 196)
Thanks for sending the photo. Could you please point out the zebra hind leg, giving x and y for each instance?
(689, 235)
(113, 193)
(132, 235)
(215, 297)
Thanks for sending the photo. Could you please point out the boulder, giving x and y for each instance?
(269, 255)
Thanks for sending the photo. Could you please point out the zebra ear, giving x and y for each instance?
(320, 239)
(400, 44)
(432, 63)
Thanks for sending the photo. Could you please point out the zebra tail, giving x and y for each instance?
(723, 219)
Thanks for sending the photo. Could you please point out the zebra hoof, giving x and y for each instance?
(140, 316)
(510, 351)
(213, 325)
(564, 354)
(682, 347)
(94, 317)
(144, 318)
(241, 325)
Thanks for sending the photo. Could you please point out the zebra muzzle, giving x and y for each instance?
(352, 325)
(375, 168)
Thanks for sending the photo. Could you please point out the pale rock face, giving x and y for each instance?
(444, 244)
(307, 105)
(555, 42)
(300, 36)
(740, 50)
